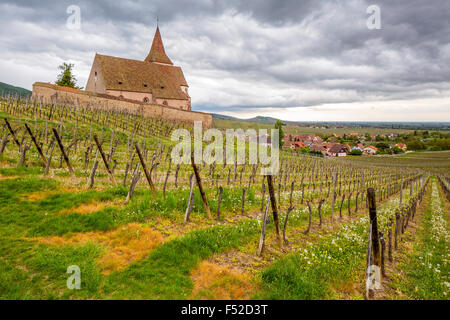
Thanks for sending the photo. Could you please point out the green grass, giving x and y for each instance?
(165, 274)
(30, 271)
(427, 271)
(315, 272)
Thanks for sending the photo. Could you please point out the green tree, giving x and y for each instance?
(356, 152)
(279, 126)
(415, 145)
(397, 150)
(66, 77)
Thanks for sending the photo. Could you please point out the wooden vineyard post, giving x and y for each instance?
(310, 217)
(383, 250)
(61, 147)
(134, 181)
(263, 193)
(144, 166)
(374, 255)
(390, 240)
(263, 230)
(321, 202)
(200, 187)
(12, 133)
(113, 180)
(92, 174)
(273, 202)
(285, 224)
(23, 151)
(334, 195)
(49, 160)
(243, 201)
(167, 178)
(189, 206)
(220, 200)
(36, 144)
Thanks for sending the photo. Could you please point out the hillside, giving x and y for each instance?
(6, 89)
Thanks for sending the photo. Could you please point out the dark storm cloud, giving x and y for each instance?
(248, 54)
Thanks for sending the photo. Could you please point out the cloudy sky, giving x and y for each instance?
(294, 59)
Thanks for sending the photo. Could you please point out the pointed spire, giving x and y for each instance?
(157, 52)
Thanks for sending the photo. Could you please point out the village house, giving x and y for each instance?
(337, 150)
(347, 147)
(401, 146)
(154, 80)
(370, 150)
(318, 147)
(299, 145)
(288, 144)
(359, 147)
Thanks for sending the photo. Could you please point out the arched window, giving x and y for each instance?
(146, 100)
(165, 103)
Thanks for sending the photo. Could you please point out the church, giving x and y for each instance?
(154, 80)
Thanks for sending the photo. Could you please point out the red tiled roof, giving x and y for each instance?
(163, 81)
(337, 148)
(157, 52)
(299, 144)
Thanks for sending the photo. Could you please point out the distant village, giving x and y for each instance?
(314, 144)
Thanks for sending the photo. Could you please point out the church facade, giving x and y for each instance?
(154, 80)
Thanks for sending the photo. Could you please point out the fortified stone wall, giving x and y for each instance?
(49, 93)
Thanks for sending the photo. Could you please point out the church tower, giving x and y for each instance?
(154, 80)
(157, 53)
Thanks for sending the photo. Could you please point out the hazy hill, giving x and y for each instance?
(258, 119)
(6, 89)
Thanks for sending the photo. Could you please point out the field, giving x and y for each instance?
(294, 129)
(437, 161)
(96, 191)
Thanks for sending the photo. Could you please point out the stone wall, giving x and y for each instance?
(49, 93)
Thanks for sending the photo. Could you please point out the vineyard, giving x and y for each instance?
(97, 189)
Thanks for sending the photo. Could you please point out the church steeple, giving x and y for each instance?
(157, 52)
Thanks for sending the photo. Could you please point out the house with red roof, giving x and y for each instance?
(370, 150)
(337, 150)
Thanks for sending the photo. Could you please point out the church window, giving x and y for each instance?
(145, 85)
(119, 82)
(146, 100)
(165, 103)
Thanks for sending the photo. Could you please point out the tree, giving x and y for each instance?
(66, 77)
(382, 145)
(279, 126)
(397, 150)
(356, 152)
(416, 145)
